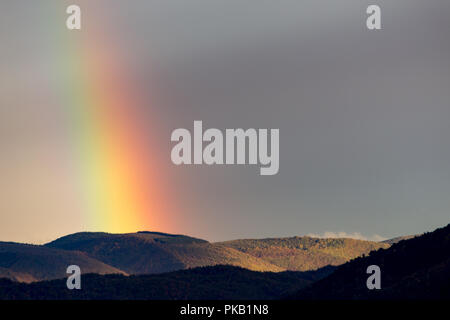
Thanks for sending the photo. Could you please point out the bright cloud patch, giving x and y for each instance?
(342, 234)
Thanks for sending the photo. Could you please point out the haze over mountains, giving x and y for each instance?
(398, 239)
(154, 252)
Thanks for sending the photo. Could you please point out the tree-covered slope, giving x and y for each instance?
(304, 253)
(151, 252)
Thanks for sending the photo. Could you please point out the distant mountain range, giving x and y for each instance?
(154, 252)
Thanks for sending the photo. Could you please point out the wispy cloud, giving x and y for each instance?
(342, 234)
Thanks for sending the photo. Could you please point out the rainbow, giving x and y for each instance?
(121, 185)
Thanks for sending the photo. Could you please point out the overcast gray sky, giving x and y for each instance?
(364, 116)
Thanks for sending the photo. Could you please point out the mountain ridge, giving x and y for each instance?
(149, 252)
(305, 253)
(145, 253)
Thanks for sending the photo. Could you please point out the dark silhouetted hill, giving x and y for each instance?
(418, 268)
(217, 282)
